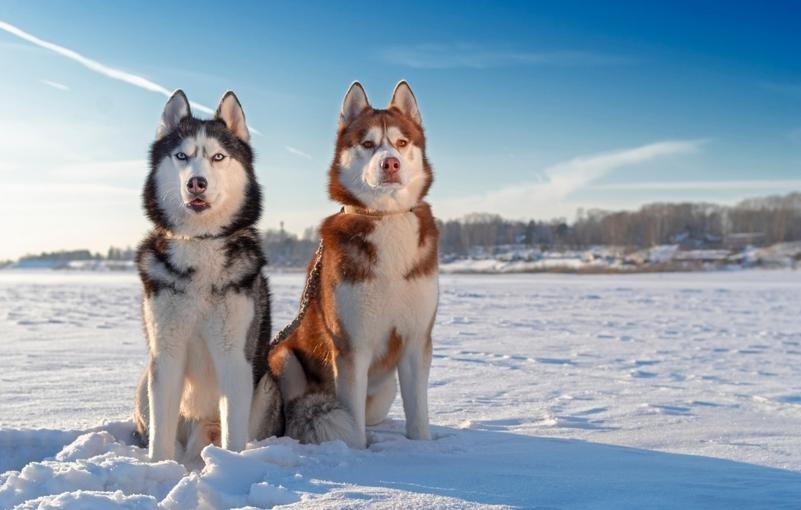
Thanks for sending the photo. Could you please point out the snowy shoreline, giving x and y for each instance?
(521, 259)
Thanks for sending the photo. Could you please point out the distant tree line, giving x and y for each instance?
(759, 222)
(113, 253)
(63, 256)
(284, 249)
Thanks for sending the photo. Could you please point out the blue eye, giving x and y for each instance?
(181, 156)
(218, 157)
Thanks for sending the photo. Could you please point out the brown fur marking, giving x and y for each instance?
(347, 249)
(389, 360)
(428, 233)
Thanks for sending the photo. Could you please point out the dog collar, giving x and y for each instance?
(171, 235)
(352, 209)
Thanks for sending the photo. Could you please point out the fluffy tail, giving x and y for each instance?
(314, 416)
(319, 417)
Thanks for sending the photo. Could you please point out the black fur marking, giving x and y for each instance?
(245, 245)
(243, 285)
(156, 245)
(153, 286)
(260, 366)
(139, 439)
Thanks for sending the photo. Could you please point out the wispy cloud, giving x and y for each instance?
(297, 152)
(108, 71)
(702, 185)
(55, 84)
(449, 56)
(546, 198)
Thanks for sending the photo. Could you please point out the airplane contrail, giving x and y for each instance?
(110, 72)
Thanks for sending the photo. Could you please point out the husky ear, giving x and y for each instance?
(177, 108)
(230, 111)
(403, 99)
(355, 102)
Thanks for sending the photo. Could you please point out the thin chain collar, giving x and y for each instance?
(168, 234)
(352, 209)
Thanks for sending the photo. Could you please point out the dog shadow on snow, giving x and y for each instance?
(490, 467)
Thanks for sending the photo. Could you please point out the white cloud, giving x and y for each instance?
(548, 198)
(103, 171)
(449, 56)
(297, 152)
(110, 72)
(702, 185)
(55, 84)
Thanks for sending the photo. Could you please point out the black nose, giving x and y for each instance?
(197, 185)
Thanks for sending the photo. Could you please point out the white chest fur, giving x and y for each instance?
(197, 315)
(370, 310)
(197, 336)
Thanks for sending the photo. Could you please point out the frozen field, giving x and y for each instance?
(547, 391)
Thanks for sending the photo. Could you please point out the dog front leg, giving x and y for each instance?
(229, 330)
(413, 370)
(235, 377)
(351, 388)
(165, 384)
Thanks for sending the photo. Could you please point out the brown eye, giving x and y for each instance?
(367, 144)
(402, 143)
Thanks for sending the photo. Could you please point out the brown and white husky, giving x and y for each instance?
(370, 315)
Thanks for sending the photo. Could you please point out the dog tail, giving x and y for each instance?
(314, 416)
(318, 417)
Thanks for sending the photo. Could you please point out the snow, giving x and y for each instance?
(678, 390)
(599, 259)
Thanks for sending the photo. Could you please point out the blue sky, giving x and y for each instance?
(531, 109)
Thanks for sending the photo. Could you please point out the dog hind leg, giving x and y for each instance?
(380, 400)
(351, 390)
(266, 411)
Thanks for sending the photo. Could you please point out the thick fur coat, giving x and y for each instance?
(206, 306)
(371, 316)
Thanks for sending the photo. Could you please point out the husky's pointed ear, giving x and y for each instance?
(177, 108)
(403, 99)
(355, 102)
(230, 111)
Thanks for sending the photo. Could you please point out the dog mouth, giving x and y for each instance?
(198, 205)
(391, 179)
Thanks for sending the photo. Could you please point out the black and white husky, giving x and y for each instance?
(206, 303)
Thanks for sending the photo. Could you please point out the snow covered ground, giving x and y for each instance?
(547, 391)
